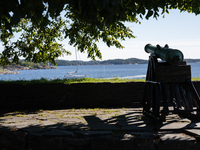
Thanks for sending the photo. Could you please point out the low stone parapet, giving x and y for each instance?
(80, 95)
(128, 141)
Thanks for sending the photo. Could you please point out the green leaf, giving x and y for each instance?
(141, 9)
(16, 17)
(8, 26)
(149, 14)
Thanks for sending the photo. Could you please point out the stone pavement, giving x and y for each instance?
(95, 129)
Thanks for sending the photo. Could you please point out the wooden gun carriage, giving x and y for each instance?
(168, 86)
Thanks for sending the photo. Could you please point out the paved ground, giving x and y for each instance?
(124, 123)
(125, 119)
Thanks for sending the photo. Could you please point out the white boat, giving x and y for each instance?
(74, 74)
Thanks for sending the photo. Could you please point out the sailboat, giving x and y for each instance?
(74, 74)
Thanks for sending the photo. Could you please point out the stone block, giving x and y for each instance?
(143, 134)
(194, 132)
(50, 144)
(125, 142)
(17, 125)
(34, 131)
(13, 139)
(51, 134)
(48, 123)
(176, 146)
(138, 127)
(76, 141)
(144, 143)
(93, 133)
(195, 125)
(172, 126)
(175, 137)
(33, 141)
(100, 143)
(70, 147)
(175, 141)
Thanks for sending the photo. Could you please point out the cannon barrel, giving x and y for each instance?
(172, 56)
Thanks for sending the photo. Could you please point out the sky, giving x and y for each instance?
(178, 30)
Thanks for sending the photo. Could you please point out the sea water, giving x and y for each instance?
(132, 71)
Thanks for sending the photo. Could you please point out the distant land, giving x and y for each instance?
(192, 60)
(112, 62)
(106, 62)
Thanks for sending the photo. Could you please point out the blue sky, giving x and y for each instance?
(178, 30)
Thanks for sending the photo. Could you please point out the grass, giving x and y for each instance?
(42, 115)
(20, 115)
(71, 81)
(196, 79)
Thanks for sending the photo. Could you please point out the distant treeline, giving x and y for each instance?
(112, 62)
(192, 60)
(30, 64)
(106, 62)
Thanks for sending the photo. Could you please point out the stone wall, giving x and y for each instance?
(81, 95)
(134, 141)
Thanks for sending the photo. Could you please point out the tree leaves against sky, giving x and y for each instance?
(41, 26)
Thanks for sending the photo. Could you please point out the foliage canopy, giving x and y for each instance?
(41, 24)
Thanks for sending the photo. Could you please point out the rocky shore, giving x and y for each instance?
(6, 71)
(9, 69)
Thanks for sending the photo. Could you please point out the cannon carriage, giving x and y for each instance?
(168, 86)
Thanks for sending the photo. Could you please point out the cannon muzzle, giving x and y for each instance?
(172, 56)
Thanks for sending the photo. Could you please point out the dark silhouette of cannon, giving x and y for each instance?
(168, 86)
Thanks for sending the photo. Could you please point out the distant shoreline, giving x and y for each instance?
(106, 62)
(13, 69)
(6, 71)
(112, 62)
(19, 67)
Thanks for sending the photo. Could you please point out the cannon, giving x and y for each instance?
(168, 86)
(172, 56)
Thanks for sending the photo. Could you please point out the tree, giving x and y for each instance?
(41, 25)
